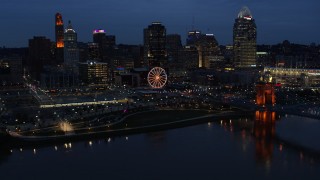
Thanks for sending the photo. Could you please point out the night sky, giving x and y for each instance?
(277, 20)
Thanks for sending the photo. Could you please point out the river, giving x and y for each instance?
(226, 149)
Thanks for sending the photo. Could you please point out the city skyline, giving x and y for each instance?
(293, 20)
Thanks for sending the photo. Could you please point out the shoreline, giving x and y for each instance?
(25, 140)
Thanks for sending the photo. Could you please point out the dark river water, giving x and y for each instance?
(227, 149)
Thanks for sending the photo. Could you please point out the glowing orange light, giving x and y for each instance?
(60, 44)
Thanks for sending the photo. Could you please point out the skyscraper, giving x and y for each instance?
(105, 42)
(59, 33)
(193, 37)
(93, 52)
(155, 53)
(99, 37)
(244, 39)
(207, 47)
(71, 51)
(174, 46)
(39, 55)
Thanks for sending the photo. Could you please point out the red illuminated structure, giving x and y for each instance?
(265, 94)
(59, 31)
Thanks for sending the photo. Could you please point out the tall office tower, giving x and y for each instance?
(71, 51)
(59, 33)
(207, 47)
(110, 41)
(105, 42)
(39, 55)
(193, 37)
(93, 52)
(244, 39)
(155, 53)
(209, 52)
(174, 47)
(99, 37)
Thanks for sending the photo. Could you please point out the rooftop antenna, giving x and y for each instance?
(193, 23)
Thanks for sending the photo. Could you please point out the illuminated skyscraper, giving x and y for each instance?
(99, 37)
(59, 33)
(105, 42)
(207, 47)
(71, 51)
(93, 73)
(244, 39)
(155, 53)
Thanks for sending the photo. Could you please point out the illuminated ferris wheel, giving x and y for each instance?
(157, 77)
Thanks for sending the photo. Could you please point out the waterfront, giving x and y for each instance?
(221, 149)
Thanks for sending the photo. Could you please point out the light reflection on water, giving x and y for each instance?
(217, 149)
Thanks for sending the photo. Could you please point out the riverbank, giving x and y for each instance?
(137, 128)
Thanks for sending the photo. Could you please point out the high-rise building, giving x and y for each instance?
(93, 52)
(155, 53)
(59, 34)
(39, 55)
(71, 51)
(59, 31)
(105, 42)
(209, 55)
(99, 37)
(193, 37)
(94, 73)
(174, 46)
(209, 52)
(244, 39)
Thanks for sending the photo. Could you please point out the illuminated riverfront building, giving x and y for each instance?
(294, 77)
(71, 51)
(59, 34)
(244, 40)
(155, 53)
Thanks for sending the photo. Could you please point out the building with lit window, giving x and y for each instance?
(244, 40)
(71, 51)
(193, 37)
(11, 71)
(105, 42)
(209, 55)
(155, 53)
(93, 73)
(294, 77)
(93, 52)
(209, 52)
(59, 35)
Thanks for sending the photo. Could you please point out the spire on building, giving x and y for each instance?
(245, 13)
(70, 28)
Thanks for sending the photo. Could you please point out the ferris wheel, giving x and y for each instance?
(157, 77)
